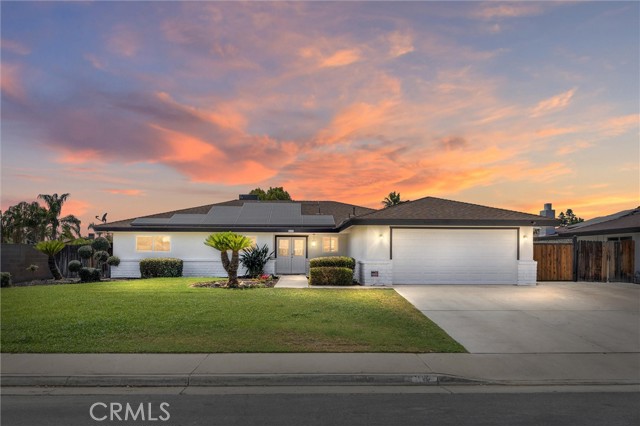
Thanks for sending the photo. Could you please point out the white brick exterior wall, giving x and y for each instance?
(384, 268)
(527, 272)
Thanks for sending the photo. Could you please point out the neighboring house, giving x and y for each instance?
(426, 241)
(624, 225)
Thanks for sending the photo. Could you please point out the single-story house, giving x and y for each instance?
(426, 241)
(620, 226)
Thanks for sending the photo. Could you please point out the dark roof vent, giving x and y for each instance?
(248, 197)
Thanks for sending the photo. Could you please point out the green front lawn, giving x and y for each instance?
(166, 315)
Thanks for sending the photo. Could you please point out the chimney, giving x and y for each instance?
(551, 214)
(248, 197)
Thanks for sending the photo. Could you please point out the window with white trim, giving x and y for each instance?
(329, 244)
(153, 243)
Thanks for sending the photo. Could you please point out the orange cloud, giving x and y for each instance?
(555, 103)
(131, 192)
(341, 58)
(183, 148)
(353, 119)
(75, 207)
(79, 156)
(619, 125)
(571, 148)
(399, 44)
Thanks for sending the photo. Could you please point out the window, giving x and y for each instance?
(155, 243)
(330, 244)
(618, 238)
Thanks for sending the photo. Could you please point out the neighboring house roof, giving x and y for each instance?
(438, 211)
(245, 215)
(323, 216)
(622, 222)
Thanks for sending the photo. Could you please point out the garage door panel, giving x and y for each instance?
(455, 256)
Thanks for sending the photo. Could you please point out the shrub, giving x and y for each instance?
(75, 266)
(33, 268)
(330, 275)
(5, 279)
(85, 252)
(113, 261)
(333, 261)
(160, 267)
(254, 259)
(88, 275)
(101, 256)
(100, 244)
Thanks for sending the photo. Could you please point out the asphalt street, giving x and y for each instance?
(297, 407)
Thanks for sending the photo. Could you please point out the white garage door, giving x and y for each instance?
(455, 256)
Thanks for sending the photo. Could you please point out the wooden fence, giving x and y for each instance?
(555, 261)
(70, 253)
(602, 261)
(606, 261)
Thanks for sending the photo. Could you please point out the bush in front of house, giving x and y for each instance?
(101, 256)
(331, 275)
(160, 267)
(113, 261)
(74, 266)
(5, 279)
(88, 275)
(333, 261)
(100, 244)
(85, 252)
(254, 260)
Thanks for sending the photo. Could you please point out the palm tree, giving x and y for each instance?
(225, 241)
(51, 248)
(54, 204)
(392, 199)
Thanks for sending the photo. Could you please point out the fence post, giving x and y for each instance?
(576, 253)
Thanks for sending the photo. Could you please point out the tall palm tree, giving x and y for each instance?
(392, 199)
(54, 204)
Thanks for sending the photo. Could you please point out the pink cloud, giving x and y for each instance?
(75, 207)
(14, 47)
(123, 41)
(554, 103)
(341, 58)
(10, 83)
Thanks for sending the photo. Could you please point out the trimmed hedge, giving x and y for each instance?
(330, 275)
(85, 252)
(100, 244)
(113, 261)
(333, 261)
(5, 279)
(74, 266)
(88, 275)
(160, 267)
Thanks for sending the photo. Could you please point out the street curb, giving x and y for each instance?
(238, 380)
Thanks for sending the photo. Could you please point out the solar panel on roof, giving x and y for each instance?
(186, 219)
(255, 214)
(222, 215)
(150, 221)
(318, 220)
(286, 214)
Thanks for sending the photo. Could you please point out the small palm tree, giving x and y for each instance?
(392, 199)
(51, 248)
(225, 242)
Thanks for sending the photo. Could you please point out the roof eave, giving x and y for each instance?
(449, 222)
(209, 228)
(627, 230)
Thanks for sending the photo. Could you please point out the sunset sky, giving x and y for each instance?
(138, 108)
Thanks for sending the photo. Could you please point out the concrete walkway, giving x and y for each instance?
(292, 281)
(317, 369)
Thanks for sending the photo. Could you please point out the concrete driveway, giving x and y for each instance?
(547, 318)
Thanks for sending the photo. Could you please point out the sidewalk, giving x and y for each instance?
(317, 369)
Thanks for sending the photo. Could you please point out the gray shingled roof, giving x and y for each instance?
(431, 210)
(621, 222)
(337, 216)
(308, 214)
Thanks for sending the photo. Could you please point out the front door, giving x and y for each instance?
(292, 255)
